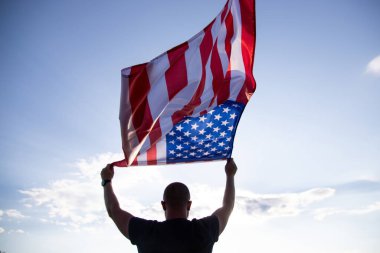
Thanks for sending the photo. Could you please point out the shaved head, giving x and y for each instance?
(176, 195)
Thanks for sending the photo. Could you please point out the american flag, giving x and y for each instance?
(184, 105)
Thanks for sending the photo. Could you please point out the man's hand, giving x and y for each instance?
(230, 167)
(107, 173)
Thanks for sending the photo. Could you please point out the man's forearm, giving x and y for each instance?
(110, 199)
(229, 194)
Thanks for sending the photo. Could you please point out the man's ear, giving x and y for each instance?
(163, 205)
(188, 205)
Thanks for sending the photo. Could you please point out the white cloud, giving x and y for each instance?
(322, 213)
(258, 206)
(373, 66)
(2, 230)
(16, 231)
(281, 205)
(15, 214)
(77, 201)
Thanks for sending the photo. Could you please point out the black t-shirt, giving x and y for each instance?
(174, 236)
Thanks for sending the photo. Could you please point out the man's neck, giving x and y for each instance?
(176, 214)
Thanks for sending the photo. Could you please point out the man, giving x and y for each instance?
(177, 233)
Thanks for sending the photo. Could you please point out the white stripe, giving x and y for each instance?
(237, 63)
(222, 48)
(161, 150)
(158, 95)
(194, 73)
(208, 92)
(142, 159)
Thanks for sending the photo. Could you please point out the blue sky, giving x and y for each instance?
(307, 146)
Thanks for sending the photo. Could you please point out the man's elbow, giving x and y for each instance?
(112, 211)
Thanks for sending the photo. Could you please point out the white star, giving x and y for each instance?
(223, 134)
(202, 119)
(193, 147)
(216, 129)
(187, 143)
(179, 128)
(192, 154)
(172, 133)
(179, 155)
(179, 138)
(213, 149)
(221, 144)
(224, 123)
(171, 152)
(233, 116)
(207, 145)
(187, 133)
(229, 138)
(226, 110)
(230, 128)
(187, 121)
(227, 148)
(185, 157)
(202, 132)
(235, 105)
(217, 117)
(200, 150)
(210, 124)
(211, 112)
(194, 138)
(172, 142)
(201, 142)
(206, 153)
(179, 147)
(208, 136)
(194, 126)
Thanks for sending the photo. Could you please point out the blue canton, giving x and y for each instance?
(208, 137)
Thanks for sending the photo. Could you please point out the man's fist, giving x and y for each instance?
(230, 167)
(107, 172)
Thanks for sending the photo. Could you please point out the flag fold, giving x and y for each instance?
(185, 105)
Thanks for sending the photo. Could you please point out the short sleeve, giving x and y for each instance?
(140, 229)
(211, 223)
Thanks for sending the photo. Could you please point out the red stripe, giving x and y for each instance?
(176, 75)
(217, 73)
(224, 11)
(247, 8)
(139, 87)
(151, 155)
(205, 50)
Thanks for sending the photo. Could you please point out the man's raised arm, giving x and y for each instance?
(225, 211)
(119, 216)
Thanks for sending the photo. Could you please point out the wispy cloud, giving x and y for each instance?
(76, 202)
(281, 205)
(373, 66)
(323, 213)
(12, 214)
(15, 214)
(2, 230)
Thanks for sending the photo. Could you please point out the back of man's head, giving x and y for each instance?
(176, 195)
